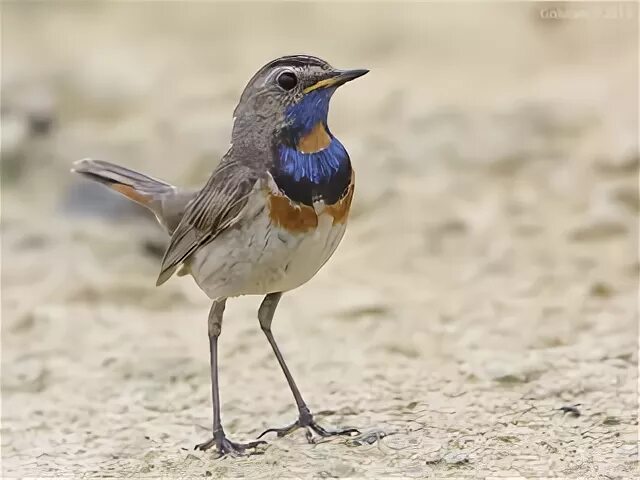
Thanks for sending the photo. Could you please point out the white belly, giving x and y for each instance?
(261, 258)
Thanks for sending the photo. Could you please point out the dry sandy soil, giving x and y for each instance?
(488, 278)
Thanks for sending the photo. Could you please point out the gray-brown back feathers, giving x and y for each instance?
(214, 209)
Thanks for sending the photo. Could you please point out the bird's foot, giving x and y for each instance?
(225, 446)
(313, 430)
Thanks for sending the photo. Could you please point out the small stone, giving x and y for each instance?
(456, 458)
(611, 421)
(601, 290)
(511, 378)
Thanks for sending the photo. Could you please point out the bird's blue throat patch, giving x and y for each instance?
(310, 163)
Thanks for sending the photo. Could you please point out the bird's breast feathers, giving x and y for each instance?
(281, 246)
(296, 217)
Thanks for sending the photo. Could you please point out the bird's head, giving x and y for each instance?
(288, 100)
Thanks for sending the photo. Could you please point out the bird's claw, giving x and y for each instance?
(225, 446)
(313, 430)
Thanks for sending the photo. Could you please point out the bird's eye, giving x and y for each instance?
(287, 80)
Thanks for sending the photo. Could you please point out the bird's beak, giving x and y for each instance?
(340, 77)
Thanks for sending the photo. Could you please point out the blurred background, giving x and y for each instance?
(488, 278)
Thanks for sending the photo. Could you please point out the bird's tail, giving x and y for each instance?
(140, 188)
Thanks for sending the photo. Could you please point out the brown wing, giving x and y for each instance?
(217, 207)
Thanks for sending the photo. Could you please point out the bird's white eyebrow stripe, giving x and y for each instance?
(277, 71)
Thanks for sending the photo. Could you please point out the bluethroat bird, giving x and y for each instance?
(269, 217)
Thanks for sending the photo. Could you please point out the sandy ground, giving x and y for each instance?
(487, 279)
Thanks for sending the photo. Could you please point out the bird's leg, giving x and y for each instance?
(219, 439)
(305, 418)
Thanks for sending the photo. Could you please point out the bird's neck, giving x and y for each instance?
(310, 164)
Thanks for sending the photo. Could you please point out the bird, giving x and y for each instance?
(272, 212)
